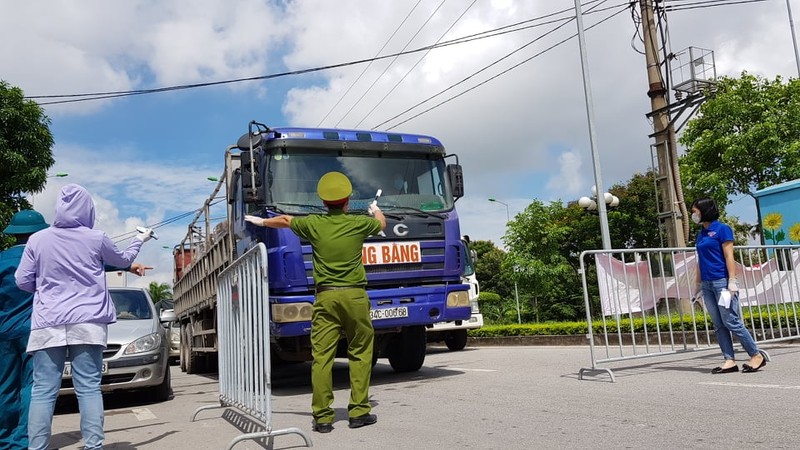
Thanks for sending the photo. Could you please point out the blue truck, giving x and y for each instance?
(414, 267)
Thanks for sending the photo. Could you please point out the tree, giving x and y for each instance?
(488, 268)
(159, 291)
(539, 239)
(25, 151)
(746, 137)
(546, 242)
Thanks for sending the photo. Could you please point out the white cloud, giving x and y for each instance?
(568, 180)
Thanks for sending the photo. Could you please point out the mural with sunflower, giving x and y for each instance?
(772, 224)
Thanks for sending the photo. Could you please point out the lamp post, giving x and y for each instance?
(592, 204)
(587, 93)
(516, 292)
(55, 175)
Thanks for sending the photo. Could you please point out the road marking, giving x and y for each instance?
(143, 414)
(472, 370)
(763, 386)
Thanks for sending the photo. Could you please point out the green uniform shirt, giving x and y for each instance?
(336, 239)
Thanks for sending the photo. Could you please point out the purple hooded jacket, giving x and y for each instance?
(64, 265)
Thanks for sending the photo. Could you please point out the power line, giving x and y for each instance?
(464, 80)
(564, 21)
(370, 64)
(386, 69)
(506, 71)
(462, 40)
(421, 58)
(707, 4)
(165, 222)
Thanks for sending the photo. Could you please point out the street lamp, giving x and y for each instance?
(516, 292)
(55, 175)
(590, 203)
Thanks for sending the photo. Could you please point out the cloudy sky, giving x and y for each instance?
(510, 105)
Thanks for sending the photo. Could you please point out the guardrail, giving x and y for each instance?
(244, 344)
(643, 305)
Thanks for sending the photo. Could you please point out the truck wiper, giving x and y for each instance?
(274, 208)
(305, 205)
(416, 211)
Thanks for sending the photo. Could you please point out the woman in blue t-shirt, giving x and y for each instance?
(717, 280)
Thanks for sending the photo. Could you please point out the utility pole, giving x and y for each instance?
(672, 207)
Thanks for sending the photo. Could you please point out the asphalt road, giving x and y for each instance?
(488, 398)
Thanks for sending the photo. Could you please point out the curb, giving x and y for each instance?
(570, 339)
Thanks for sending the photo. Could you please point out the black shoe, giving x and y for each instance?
(717, 370)
(360, 421)
(747, 368)
(323, 427)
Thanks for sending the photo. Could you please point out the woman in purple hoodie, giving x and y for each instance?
(64, 267)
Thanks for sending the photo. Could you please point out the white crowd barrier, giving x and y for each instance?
(244, 344)
(641, 303)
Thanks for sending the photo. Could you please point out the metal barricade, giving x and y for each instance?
(643, 305)
(244, 344)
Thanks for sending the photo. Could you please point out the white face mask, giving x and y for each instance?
(695, 218)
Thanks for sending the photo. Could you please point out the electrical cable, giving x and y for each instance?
(370, 64)
(421, 58)
(114, 94)
(165, 222)
(564, 21)
(386, 69)
(708, 4)
(507, 70)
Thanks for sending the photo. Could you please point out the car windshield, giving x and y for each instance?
(131, 305)
(410, 182)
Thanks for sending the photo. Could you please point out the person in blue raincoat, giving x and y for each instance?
(15, 326)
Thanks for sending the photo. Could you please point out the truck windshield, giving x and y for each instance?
(409, 182)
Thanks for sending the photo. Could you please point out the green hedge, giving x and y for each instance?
(768, 318)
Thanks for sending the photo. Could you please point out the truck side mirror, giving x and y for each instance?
(456, 177)
(251, 171)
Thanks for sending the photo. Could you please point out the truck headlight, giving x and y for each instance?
(291, 312)
(143, 344)
(458, 299)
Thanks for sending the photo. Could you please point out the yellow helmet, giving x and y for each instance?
(334, 187)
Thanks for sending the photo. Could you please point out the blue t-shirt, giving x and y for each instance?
(709, 250)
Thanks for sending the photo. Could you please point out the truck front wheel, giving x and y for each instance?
(406, 352)
(456, 340)
(193, 363)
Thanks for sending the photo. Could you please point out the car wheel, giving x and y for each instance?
(161, 392)
(456, 340)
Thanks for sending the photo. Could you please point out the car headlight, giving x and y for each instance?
(176, 338)
(143, 344)
(458, 299)
(291, 312)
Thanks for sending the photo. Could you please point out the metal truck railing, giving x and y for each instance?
(643, 304)
(244, 344)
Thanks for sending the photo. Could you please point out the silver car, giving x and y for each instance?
(136, 356)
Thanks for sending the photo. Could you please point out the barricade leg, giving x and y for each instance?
(270, 435)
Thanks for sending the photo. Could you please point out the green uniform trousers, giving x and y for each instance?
(335, 311)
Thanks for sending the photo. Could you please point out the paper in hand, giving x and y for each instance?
(725, 299)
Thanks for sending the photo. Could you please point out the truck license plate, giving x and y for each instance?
(389, 313)
(68, 369)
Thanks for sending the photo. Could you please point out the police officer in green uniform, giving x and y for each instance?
(341, 303)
